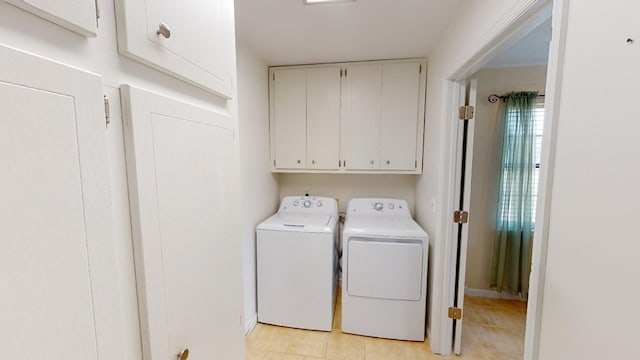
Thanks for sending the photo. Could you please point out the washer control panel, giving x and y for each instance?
(305, 204)
(378, 206)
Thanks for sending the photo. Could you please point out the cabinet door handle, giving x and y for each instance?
(163, 29)
(313, 162)
(298, 161)
(388, 162)
(371, 162)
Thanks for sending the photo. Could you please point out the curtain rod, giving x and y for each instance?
(493, 98)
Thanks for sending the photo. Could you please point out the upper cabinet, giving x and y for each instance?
(382, 126)
(305, 118)
(365, 117)
(193, 43)
(76, 15)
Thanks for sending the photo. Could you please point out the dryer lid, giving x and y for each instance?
(313, 223)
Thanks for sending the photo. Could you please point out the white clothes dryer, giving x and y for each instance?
(297, 263)
(384, 281)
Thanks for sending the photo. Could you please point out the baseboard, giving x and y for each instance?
(491, 294)
(249, 325)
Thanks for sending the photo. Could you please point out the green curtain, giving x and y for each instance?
(511, 262)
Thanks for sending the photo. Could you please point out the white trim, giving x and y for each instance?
(491, 294)
(545, 182)
(249, 325)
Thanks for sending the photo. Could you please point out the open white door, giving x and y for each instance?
(462, 198)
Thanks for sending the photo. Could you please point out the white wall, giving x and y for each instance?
(474, 27)
(345, 187)
(487, 155)
(591, 297)
(259, 188)
(28, 32)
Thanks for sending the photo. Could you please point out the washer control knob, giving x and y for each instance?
(391, 206)
(319, 203)
(307, 203)
(378, 206)
(296, 203)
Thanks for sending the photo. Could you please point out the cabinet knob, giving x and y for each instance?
(163, 29)
(371, 162)
(298, 161)
(183, 355)
(388, 162)
(313, 162)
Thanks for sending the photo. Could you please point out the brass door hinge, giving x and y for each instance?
(455, 313)
(460, 217)
(466, 112)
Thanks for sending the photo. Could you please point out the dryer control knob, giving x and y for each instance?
(295, 203)
(378, 206)
(319, 203)
(391, 206)
(307, 203)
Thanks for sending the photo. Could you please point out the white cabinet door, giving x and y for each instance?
(289, 111)
(361, 125)
(354, 117)
(180, 161)
(399, 116)
(323, 118)
(58, 276)
(76, 15)
(196, 43)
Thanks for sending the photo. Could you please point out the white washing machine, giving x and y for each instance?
(384, 281)
(297, 263)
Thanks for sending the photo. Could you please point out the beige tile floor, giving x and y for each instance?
(493, 329)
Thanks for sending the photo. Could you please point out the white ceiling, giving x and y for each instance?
(287, 32)
(532, 49)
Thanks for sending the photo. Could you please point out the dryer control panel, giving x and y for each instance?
(372, 206)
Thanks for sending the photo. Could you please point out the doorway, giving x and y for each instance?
(494, 321)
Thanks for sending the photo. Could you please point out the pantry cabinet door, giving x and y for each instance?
(58, 277)
(323, 118)
(76, 15)
(400, 116)
(180, 162)
(288, 119)
(191, 40)
(361, 124)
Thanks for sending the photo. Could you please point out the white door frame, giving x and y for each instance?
(520, 22)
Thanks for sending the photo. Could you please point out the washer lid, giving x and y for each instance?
(314, 223)
(383, 226)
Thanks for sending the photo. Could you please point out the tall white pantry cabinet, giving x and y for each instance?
(365, 117)
(67, 285)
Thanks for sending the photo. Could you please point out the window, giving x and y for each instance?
(539, 127)
(510, 170)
